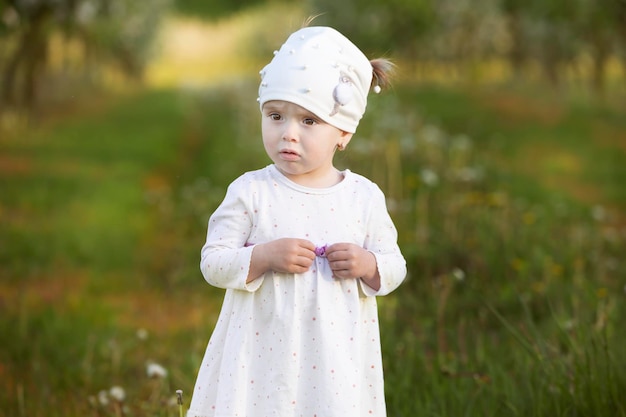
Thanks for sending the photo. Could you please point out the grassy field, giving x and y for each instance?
(510, 206)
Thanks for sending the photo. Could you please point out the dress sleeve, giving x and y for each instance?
(382, 241)
(225, 258)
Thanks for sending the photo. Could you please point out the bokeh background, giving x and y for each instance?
(501, 148)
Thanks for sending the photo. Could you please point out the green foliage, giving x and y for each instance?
(492, 247)
(377, 25)
(514, 302)
(105, 34)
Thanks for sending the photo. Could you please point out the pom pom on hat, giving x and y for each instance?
(323, 71)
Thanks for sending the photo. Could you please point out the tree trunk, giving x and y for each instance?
(27, 58)
(517, 55)
(34, 65)
(10, 71)
(552, 62)
(601, 51)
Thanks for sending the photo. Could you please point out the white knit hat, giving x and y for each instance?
(321, 70)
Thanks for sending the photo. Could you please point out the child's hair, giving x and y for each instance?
(382, 71)
(383, 68)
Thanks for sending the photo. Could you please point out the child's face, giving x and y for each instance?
(300, 144)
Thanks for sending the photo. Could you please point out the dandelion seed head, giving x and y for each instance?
(117, 393)
(154, 370)
(461, 143)
(408, 144)
(429, 177)
(433, 135)
(469, 174)
(392, 204)
(598, 213)
(458, 274)
(103, 398)
(142, 334)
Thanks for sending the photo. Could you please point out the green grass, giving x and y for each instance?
(509, 210)
(538, 132)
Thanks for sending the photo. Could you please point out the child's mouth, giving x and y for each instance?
(289, 155)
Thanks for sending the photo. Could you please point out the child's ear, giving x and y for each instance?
(345, 139)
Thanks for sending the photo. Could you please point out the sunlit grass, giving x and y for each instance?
(509, 203)
(515, 296)
(193, 53)
(512, 306)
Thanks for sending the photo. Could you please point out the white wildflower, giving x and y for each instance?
(433, 135)
(103, 398)
(469, 174)
(117, 393)
(458, 274)
(429, 177)
(461, 143)
(569, 324)
(86, 12)
(142, 334)
(598, 213)
(408, 144)
(154, 370)
(392, 204)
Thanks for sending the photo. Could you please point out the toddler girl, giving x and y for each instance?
(302, 249)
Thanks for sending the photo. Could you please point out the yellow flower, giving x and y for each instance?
(556, 270)
(518, 264)
(529, 218)
(539, 287)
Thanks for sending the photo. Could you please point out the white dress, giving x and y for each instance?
(291, 345)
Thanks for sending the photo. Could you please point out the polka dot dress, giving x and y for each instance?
(295, 344)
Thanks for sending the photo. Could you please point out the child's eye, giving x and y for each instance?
(274, 116)
(309, 121)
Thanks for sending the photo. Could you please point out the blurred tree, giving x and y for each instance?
(600, 23)
(30, 24)
(621, 27)
(468, 33)
(378, 26)
(553, 34)
(123, 31)
(518, 53)
(118, 31)
(558, 32)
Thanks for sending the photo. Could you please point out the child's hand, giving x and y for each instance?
(289, 255)
(348, 260)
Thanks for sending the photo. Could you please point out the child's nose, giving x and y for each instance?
(291, 132)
